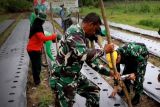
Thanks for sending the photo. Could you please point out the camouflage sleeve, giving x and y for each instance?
(78, 46)
(91, 56)
(93, 60)
(99, 67)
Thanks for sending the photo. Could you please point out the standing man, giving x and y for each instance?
(69, 60)
(62, 13)
(65, 18)
(134, 57)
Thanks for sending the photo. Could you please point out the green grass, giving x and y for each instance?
(45, 101)
(42, 96)
(138, 14)
(45, 97)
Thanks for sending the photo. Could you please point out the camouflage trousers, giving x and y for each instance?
(82, 86)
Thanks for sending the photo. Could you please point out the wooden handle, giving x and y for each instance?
(108, 37)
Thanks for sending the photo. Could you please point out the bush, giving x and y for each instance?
(150, 23)
(94, 3)
(131, 8)
(145, 8)
(140, 7)
(16, 5)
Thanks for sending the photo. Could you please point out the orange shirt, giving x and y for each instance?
(36, 41)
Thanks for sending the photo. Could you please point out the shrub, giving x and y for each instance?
(131, 8)
(145, 8)
(45, 101)
(17, 5)
(94, 3)
(150, 23)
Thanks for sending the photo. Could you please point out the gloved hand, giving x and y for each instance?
(114, 92)
(132, 76)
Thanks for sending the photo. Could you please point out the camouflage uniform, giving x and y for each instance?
(69, 80)
(134, 56)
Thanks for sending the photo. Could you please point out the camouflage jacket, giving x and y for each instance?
(134, 55)
(73, 52)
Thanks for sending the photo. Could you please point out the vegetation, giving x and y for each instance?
(15, 5)
(41, 96)
(144, 14)
(151, 23)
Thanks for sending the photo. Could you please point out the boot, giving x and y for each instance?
(136, 99)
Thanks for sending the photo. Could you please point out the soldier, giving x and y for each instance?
(134, 57)
(69, 60)
(65, 15)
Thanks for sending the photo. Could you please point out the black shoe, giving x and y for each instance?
(136, 99)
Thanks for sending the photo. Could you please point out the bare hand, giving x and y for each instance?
(132, 76)
(116, 75)
(108, 48)
(114, 92)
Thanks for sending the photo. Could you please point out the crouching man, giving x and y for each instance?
(134, 57)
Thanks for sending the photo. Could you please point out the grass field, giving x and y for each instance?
(142, 14)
